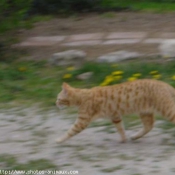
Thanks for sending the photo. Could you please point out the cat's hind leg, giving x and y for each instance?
(148, 123)
(119, 125)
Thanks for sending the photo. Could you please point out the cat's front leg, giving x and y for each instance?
(119, 125)
(80, 124)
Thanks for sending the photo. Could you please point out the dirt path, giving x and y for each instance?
(31, 135)
(156, 26)
(94, 23)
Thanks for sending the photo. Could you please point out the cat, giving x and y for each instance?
(144, 97)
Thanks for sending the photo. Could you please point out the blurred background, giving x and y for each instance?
(85, 43)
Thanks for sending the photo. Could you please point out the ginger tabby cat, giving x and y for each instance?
(143, 97)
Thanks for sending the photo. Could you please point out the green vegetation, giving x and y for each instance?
(9, 162)
(113, 169)
(12, 14)
(105, 74)
(57, 6)
(26, 82)
(166, 126)
(142, 5)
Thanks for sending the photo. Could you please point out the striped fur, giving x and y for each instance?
(143, 97)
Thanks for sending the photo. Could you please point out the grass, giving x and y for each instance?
(30, 82)
(101, 123)
(125, 157)
(166, 125)
(108, 127)
(142, 5)
(9, 162)
(14, 22)
(26, 81)
(131, 121)
(108, 15)
(112, 169)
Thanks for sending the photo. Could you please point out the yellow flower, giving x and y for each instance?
(67, 76)
(173, 77)
(137, 75)
(109, 78)
(118, 77)
(104, 84)
(158, 76)
(132, 78)
(153, 72)
(70, 68)
(22, 69)
(107, 81)
(117, 72)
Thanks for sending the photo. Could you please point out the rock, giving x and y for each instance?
(118, 56)
(167, 48)
(85, 76)
(67, 58)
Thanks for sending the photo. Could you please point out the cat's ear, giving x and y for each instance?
(65, 87)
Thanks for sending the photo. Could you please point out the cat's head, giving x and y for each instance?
(64, 97)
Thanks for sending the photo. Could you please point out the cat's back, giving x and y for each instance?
(138, 88)
(138, 96)
(147, 87)
(143, 84)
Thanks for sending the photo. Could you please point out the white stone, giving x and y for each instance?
(86, 37)
(70, 57)
(47, 38)
(153, 41)
(167, 48)
(118, 56)
(82, 43)
(126, 35)
(121, 41)
(85, 76)
(40, 41)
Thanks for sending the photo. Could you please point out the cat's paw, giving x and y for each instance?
(123, 140)
(133, 137)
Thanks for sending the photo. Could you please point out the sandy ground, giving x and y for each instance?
(29, 134)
